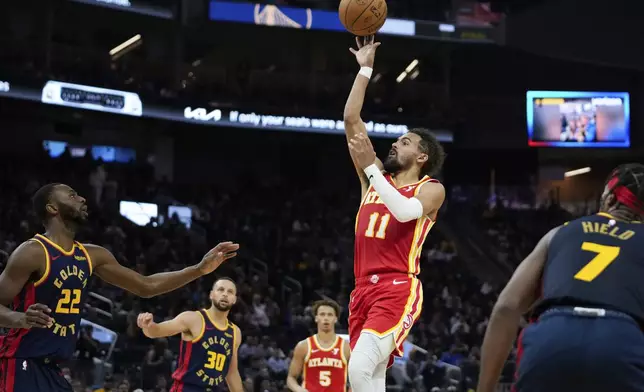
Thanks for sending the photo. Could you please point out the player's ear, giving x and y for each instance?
(422, 158)
(51, 209)
(609, 201)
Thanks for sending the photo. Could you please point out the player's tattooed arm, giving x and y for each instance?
(188, 324)
(518, 296)
(24, 264)
(296, 367)
(233, 378)
(108, 269)
(353, 124)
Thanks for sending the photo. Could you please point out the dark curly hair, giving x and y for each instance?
(430, 146)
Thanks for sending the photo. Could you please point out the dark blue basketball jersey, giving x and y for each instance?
(203, 363)
(596, 261)
(63, 288)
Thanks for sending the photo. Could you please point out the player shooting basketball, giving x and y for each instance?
(400, 202)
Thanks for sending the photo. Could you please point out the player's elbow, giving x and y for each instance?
(408, 210)
(146, 289)
(506, 307)
(351, 117)
(403, 216)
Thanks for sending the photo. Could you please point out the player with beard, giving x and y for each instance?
(209, 343)
(46, 281)
(400, 202)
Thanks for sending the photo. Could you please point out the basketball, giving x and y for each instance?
(363, 17)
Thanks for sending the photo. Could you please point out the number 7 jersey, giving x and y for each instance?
(384, 245)
(596, 261)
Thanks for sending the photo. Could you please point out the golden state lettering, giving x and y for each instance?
(372, 198)
(63, 330)
(606, 229)
(212, 381)
(68, 272)
(217, 340)
(328, 362)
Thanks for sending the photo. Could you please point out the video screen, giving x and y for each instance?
(578, 119)
(138, 213)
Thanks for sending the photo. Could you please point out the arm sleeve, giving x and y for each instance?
(404, 209)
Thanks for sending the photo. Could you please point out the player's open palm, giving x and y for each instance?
(217, 255)
(366, 53)
(362, 151)
(145, 320)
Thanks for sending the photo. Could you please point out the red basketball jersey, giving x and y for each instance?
(384, 245)
(325, 369)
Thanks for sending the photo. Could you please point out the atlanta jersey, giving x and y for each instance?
(203, 362)
(383, 244)
(325, 369)
(63, 288)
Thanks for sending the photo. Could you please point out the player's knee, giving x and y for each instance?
(361, 368)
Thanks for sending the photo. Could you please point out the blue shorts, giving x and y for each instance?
(572, 349)
(178, 386)
(18, 375)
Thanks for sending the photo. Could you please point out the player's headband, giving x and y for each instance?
(625, 196)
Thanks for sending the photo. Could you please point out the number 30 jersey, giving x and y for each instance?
(63, 288)
(203, 362)
(325, 370)
(596, 261)
(384, 245)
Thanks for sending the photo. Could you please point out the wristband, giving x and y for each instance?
(371, 171)
(366, 72)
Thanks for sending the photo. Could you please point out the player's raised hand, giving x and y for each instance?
(37, 315)
(145, 320)
(366, 53)
(217, 255)
(362, 151)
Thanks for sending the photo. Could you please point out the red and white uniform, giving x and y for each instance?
(388, 297)
(325, 369)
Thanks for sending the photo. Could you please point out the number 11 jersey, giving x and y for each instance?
(384, 245)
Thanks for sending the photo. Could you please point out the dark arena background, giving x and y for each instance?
(189, 122)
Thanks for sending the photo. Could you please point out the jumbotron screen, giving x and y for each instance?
(578, 119)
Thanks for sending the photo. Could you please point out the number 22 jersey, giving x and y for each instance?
(63, 288)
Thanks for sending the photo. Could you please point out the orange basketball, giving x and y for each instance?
(363, 17)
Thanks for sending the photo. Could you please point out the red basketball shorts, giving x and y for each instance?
(385, 304)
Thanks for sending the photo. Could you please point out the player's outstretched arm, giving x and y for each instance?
(296, 367)
(23, 263)
(403, 208)
(517, 297)
(353, 124)
(108, 269)
(184, 323)
(233, 378)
